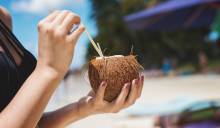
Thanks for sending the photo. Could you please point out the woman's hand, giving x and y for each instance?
(56, 43)
(95, 104)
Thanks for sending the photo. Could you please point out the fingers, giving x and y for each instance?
(136, 89)
(141, 83)
(142, 79)
(88, 99)
(119, 103)
(129, 93)
(133, 93)
(70, 20)
(91, 93)
(60, 17)
(122, 96)
(60, 23)
(101, 92)
(51, 17)
(44, 23)
(76, 34)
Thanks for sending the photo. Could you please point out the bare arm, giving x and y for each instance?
(93, 104)
(29, 103)
(62, 117)
(53, 62)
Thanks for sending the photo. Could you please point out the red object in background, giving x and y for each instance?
(218, 44)
(215, 5)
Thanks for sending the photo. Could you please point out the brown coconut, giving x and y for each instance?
(115, 70)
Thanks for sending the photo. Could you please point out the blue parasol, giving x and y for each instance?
(175, 14)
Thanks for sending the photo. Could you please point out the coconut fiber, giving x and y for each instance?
(115, 70)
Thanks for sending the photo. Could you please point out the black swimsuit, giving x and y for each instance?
(16, 64)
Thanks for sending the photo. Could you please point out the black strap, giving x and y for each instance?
(11, 35)
(12, 40)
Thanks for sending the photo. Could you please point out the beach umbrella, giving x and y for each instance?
(175, 14)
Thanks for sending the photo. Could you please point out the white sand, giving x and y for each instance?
(156, 91)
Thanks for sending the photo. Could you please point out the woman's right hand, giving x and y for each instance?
(56, 43)
(94, 103)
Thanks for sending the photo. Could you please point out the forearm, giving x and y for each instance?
(62, 117)
(26, 108)
(56, 47)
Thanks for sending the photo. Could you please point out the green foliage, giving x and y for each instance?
(112, 32)
(214, 64)
(153, 47)
(129, 6)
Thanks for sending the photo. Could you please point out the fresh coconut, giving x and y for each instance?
(115, 70)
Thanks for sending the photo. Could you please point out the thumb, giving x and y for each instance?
(74, 36)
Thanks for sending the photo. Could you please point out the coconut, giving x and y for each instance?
(115, 70)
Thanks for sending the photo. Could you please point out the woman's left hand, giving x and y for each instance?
(95, 103)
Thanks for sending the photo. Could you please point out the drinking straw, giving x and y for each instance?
(98, 50)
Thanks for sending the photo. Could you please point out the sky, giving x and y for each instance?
(27, 13)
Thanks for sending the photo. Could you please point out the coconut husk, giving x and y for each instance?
(115, 70)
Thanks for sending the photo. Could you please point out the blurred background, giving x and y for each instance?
(176, 41)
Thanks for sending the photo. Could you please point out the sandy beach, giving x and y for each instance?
(156, 91)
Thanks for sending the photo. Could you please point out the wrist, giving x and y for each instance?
(48, 72)
(83, 110)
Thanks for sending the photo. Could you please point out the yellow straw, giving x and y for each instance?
(94, 44)
(100, 49)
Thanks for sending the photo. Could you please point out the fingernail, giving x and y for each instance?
(82, 28)
(139, 78)
(136, 81)
(127, 85)
(142, 78)
(103, 84)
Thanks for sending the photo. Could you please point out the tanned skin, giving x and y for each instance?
(26, 110)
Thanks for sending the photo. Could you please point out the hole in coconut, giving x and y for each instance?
(108, 57)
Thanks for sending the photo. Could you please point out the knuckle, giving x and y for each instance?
(126, 105)
(56, 11)
(119, 103)
(65, 11)
(82, 28)
(131, 103)
(59, 34)
(74, 16)
(40, 25)
(49, 29)
(115, 111)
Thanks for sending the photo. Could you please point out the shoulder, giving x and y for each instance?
(5, 17)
